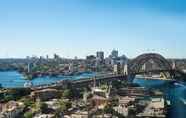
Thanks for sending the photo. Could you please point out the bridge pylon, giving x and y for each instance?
(125, 69)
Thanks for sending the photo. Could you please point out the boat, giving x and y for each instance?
(28, 84)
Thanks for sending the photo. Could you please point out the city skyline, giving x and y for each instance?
(79, 28)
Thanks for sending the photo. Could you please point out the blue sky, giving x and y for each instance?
(80, 27)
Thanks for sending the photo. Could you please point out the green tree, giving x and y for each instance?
(104, 87)
(63, 105)
(131, 112)
(28, 115)
(43, 107)
(8, 98)
(40, 107)
(119, 84)
(27, 102)
(58, 114)
(68, 93)
(108, 109)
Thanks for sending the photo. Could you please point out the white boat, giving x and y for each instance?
(28, 84)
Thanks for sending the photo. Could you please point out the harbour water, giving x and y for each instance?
(13, 79)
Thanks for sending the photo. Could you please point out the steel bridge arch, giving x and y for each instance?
(136, 64)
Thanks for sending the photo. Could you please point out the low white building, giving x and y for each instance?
(155, 108)
(124, 102)
(122, 110)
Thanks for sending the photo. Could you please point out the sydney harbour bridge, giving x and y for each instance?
(164, 66)
(135, 67)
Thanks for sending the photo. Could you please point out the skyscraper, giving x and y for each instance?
(99, 58)
(114, 54)
(100, 55)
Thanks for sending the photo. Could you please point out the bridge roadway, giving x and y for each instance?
(111, 77)
(83, 81)
(105, 78)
